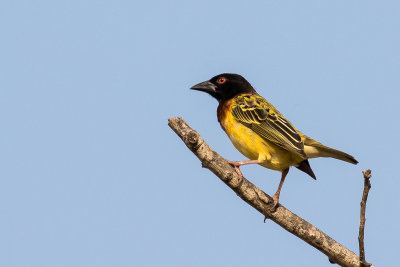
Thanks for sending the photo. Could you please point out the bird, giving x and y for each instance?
(260, 132)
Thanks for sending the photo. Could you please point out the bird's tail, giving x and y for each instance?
(314, 149)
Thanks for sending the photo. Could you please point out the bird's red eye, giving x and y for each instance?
(221, 80)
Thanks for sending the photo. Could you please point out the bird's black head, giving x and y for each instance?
(225, 86)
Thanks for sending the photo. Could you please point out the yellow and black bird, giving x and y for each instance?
(260, 132)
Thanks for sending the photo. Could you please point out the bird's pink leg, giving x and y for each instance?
(237, 164)
(275, 197)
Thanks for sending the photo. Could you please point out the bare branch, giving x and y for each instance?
(259, 200)
(363, 204)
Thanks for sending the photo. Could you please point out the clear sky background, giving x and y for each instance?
(91, 175)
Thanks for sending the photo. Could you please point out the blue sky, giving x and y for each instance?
(91, 175)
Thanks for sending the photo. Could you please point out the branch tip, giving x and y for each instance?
(363, 205)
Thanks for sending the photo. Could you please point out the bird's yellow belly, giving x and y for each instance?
(254, 147)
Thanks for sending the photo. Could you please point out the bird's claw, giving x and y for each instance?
(235, 165)
(275, 199)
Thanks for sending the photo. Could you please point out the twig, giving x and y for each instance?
(259, 200)
(363, 204)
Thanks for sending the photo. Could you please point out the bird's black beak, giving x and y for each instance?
(206, 86)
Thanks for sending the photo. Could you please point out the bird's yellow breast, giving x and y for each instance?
(251, 145)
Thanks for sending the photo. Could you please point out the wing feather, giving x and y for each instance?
(258, 114)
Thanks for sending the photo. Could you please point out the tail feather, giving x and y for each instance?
(333, 153)
(317, 149)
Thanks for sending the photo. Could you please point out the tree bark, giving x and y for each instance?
(259, 200)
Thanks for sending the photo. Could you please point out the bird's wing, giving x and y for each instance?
(259, 115)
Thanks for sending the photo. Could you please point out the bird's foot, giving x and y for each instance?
(273, 207)
(236, 165)
(275, 203)
(275, 198)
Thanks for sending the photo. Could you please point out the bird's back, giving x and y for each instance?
(250, 143)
